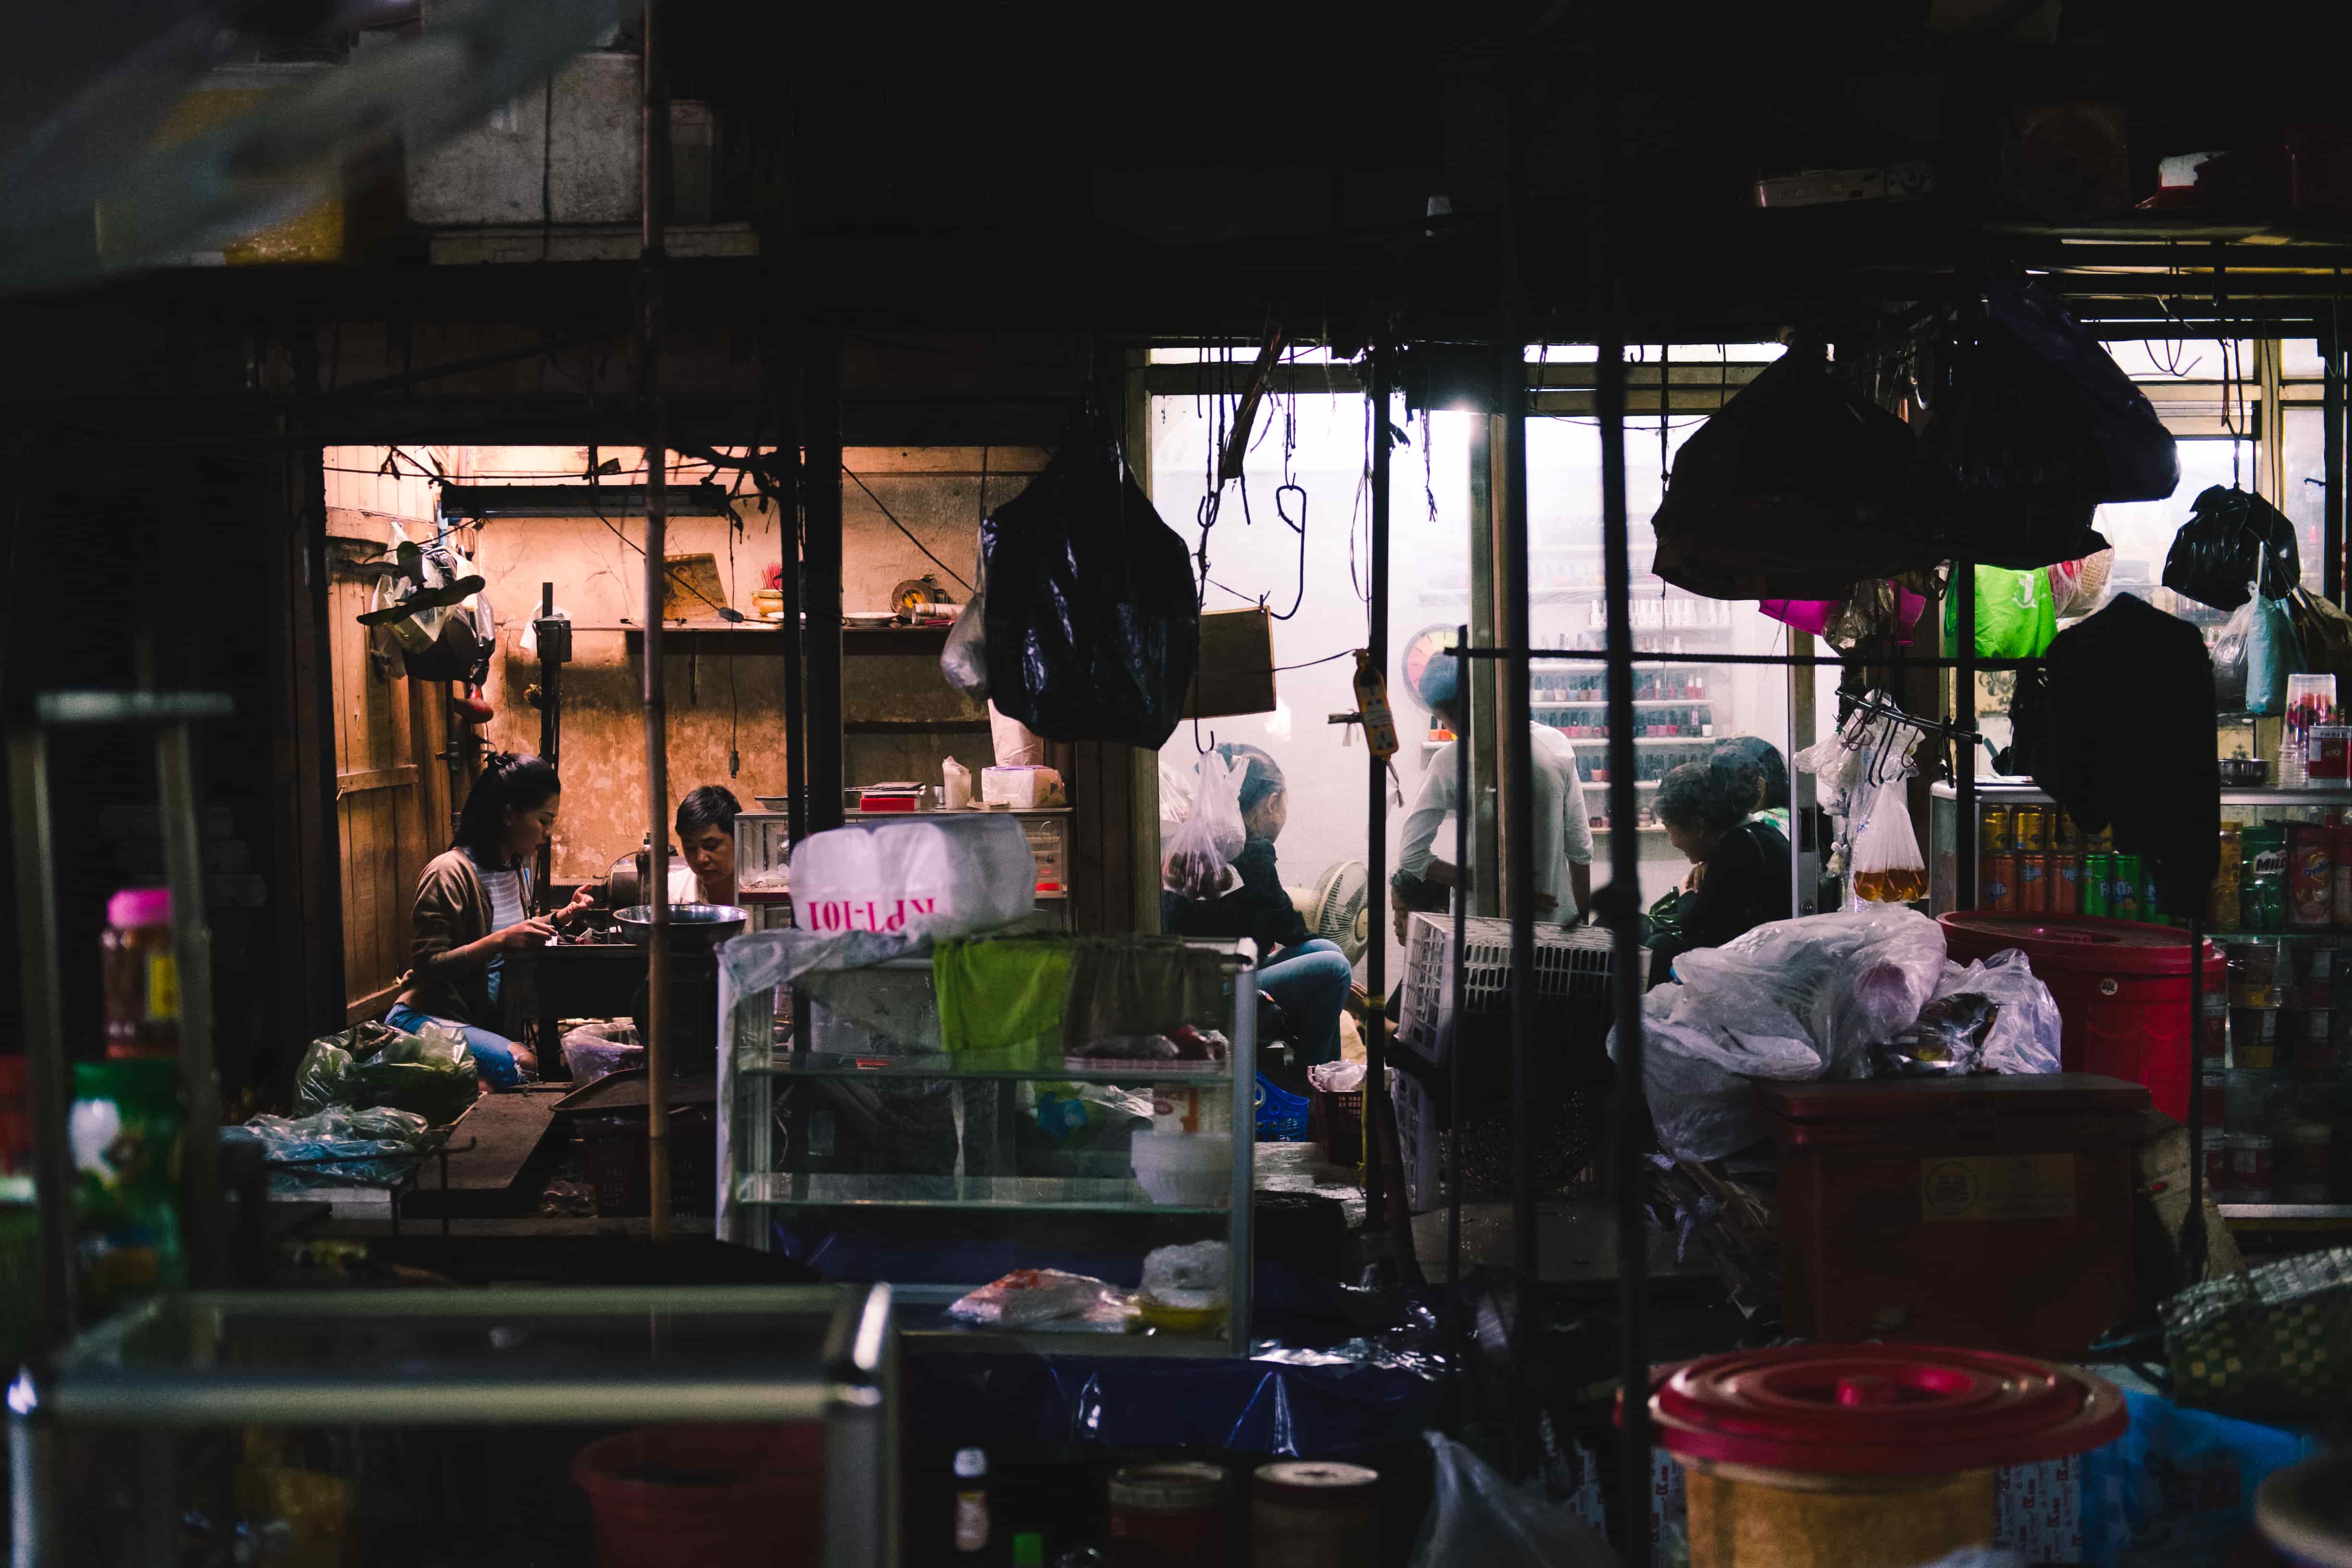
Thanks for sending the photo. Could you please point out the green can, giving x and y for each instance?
(2124, 897)
(2098, 884)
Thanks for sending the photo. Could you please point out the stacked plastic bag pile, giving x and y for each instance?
(1863, 993)
(371, 1098)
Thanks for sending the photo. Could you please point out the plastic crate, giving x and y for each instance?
(614, 1149)
(1335, 1119)
(1281, 1115)
(1573, 964)
(1049, 841)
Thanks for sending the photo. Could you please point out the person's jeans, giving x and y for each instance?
(494, 1055)
(1309, 982)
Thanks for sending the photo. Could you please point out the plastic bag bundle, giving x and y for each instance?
(1093, 630)
(2271, 654)
(1198, 863)
(1477, 1517)
(1888, 866)
(2323, 633)
(2039, 426)
(942, 875)
(2233, 545)
(2230, 656)
(1992, 1017)
(1795, 489)
(340, 1147)
(430, 1072)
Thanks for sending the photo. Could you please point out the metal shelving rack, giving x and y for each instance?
(763, 1157)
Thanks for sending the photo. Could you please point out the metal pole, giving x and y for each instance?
(192, 953)
(820, 394)
(655, 144)
(1964, 753)
(1624, 914)
(2331, 493)
(1457, 1121)
(2192, 1223)
(551, 728)
(1513, 713)
(1379, 1242)
(45, 1040)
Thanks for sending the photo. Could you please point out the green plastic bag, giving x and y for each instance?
(430, 1073)
(2017, 615)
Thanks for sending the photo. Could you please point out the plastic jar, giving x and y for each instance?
(1167, 1516)
(1863, 1455)
(1309, 1515)
(140, 974)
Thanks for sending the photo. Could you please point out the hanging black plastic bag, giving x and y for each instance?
(2233, 539)
(2040, 427)
(1092, 622)
(1794, 490)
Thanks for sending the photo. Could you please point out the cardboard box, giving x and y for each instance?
(1236, 671)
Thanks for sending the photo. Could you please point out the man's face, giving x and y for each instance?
(712, 852)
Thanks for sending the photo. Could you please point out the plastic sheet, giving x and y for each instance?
(1794, 490)
(2177, 1489)
(1994, 1016)
(371, 1148)
(2233, 543)
(2041, 426)
(431, 1072)
(1476, 1516)
(1093, 626)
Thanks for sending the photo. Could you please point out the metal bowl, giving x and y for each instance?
(690, 925)
(2245, 771)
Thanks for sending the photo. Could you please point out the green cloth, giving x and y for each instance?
(1129, 985)
(1001, 1000)
(2016, 615)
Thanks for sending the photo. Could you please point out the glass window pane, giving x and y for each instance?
(2305, 493)
(2181, 358)
(2299, 359)
(2142, 531)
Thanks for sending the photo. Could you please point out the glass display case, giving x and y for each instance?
(942, 1155)
(764, 868)
(416, 1426)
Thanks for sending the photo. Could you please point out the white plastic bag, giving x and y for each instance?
(964, 660)
(1198, 861)
(593, 1050)
(1888, 866)
(1477, 1517)
(2023, 1037)
(1014, 745)
(1702, 1083)
(941, 877)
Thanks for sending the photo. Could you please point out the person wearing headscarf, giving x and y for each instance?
(1739, 862)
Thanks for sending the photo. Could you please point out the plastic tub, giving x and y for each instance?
(2122, 989)
(706, 1496)
(1863, 1455)
(1192, 1170)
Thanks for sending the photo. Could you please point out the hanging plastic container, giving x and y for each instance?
(1863, 1455)
(2122, 989)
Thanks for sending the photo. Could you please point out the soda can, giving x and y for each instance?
(2124, 890)
(1993, 830)
(2065, 884)
(1997, 883)
(2033, 829)
(2098, 883)
(2033, 883)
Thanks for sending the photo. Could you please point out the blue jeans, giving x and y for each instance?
(1309, 982)
(494, 1055)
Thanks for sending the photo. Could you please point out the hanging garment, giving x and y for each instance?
(2017, 614)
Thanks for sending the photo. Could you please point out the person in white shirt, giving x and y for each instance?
(1563, 850)
(705, 871)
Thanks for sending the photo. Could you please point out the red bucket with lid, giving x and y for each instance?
(2121, 986)
(1863, 1455)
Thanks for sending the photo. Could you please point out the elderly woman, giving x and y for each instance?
(1308, 977)
(1739, 863)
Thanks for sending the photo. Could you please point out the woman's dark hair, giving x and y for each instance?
(712, 805)
(1763, 761)
(516, 779)
(1263, 777)
(1702, 796)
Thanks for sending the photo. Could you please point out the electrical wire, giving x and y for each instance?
(905, 530)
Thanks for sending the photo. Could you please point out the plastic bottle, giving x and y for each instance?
(972, 1526)
(140, 974)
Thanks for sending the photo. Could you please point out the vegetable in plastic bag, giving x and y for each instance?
(1796, 488)
(1199, 859)
(341, 1147)
(1477, 1517)
(2041, 426)
(2017, 614)
(1888, 866)
(1093, 630)
(430, 1072)
(2231, 540)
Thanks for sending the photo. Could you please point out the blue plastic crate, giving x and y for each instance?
(1281, 1115)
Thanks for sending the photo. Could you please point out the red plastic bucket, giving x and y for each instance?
(706, 1496)
(2122, 989)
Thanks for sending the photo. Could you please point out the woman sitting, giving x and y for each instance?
(1739, 872)
(1308, 977)
(473, 908)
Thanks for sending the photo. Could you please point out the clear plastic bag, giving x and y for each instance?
(340, 1147)
(1477, 1517)
(1888, 866)
(1198, 862)
(430, 1072)
(964, 660)
(1994, 1016)
(1836, 983)
(596, 1050)
(1701, 1082)
(2230, 651)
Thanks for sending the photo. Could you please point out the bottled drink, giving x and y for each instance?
(140, 974)
(1898, 885)
(972, 1523)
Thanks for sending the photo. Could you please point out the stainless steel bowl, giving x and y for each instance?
(690, 925)
(2246, 773)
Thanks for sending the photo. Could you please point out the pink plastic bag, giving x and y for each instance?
(1809, 615)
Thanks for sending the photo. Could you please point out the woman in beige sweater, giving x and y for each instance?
(473, 908)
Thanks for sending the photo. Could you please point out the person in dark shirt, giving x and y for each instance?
(1739, 871)
(1308, 977)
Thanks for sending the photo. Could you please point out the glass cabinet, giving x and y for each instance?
(941, 1154)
